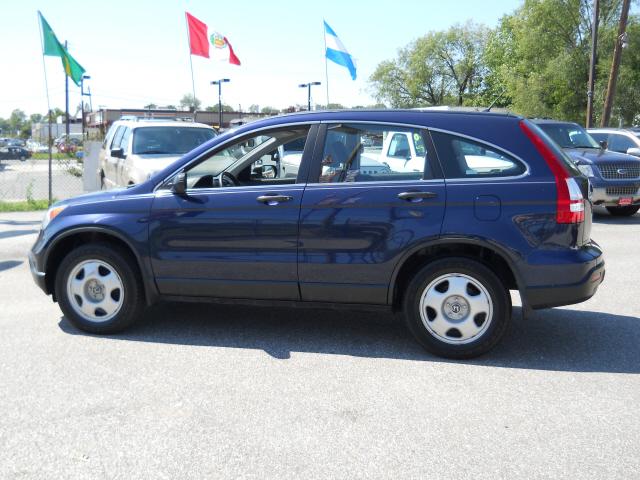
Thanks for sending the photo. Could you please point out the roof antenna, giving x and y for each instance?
(495, 100)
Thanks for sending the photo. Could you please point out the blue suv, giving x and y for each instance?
(494, 206)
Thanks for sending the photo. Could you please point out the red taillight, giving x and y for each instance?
(570, 202)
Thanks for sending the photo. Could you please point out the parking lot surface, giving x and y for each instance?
(207, 391)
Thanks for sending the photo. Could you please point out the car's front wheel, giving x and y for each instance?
(457, 308)
(623, 211)
(98, 288)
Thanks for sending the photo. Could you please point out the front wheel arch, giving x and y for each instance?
(69, 240)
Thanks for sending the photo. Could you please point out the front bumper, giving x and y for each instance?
(611, 195)
(38, 276)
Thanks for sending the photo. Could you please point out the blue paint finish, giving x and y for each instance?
(341, 243)
(354, 234)
(487, 208)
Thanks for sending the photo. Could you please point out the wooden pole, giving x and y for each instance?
(592, 66)
(613, 76)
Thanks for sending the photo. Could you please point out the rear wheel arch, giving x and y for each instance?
(488, 254)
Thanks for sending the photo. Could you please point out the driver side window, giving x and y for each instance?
(250, 161)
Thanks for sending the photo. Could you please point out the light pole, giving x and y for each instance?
(219, 83)
(308, 87)
(82, 95)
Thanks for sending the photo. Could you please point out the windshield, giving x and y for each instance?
(169, 140)
(569, 135)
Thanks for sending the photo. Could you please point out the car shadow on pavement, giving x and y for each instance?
(9, 264)
(16, 233)
(20, 222)
(556, 339)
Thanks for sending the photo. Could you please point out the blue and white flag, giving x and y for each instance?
(336, 52)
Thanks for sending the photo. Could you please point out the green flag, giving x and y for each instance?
(51, 46)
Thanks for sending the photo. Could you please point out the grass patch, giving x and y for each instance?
(24, 206)
(55, 156)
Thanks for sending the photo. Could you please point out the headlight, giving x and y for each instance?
(52, 213)
(586, 170)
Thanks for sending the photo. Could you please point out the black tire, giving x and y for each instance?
(22, 158)
(495, 293)
(623, 211)
(132, 290)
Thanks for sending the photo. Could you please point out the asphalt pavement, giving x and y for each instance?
(236, 392)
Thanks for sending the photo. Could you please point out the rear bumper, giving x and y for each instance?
(578, 286)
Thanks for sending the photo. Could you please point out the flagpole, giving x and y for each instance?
(46, 88)
(193, 83)
(326, 72)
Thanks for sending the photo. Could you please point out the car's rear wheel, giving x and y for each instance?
(624, 211)
(99, 289)
(457, 308)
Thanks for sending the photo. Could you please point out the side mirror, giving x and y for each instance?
(179, 186)
(603, 144)
(117, 153)
(635, 151)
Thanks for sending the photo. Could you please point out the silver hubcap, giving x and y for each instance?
(95, 290)
(456, 308)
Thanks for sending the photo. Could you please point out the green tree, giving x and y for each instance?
(539, 56)
(270, 110)
(215, 108)
(189, 102)
(17, 121)
(442, 67)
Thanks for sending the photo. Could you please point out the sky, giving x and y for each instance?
(137, 53)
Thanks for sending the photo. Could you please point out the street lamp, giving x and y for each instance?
(82, 95)
(219, 83)
(308, 87)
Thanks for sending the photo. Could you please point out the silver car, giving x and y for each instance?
(133, 150)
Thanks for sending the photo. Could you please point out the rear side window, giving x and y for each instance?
(124, 142)
(620, 143)
(465, 158)
(117, 138)
(374, 153)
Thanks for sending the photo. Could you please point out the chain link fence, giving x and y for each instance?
(27, 178)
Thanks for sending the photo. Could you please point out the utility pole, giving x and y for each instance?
(592, 66)
(66, 100)
(621, 42)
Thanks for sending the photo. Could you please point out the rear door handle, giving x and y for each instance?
(416, 196)
(274, 199)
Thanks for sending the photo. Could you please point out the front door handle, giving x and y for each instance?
(274, 199)
(416, 196)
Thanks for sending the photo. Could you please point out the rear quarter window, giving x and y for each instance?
(465, 158)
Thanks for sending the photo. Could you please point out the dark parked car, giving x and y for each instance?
(615, 177)
(14, 153)
(498, 207)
